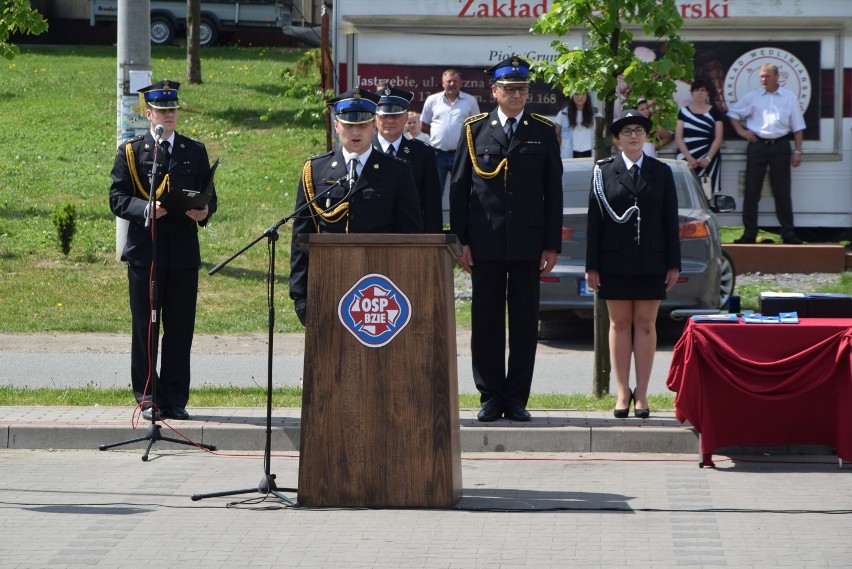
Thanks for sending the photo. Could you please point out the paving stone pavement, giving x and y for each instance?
(569, 489)
(84, 508)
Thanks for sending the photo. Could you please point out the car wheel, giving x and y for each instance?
(162, 30)
(727, 279)
(207, 33)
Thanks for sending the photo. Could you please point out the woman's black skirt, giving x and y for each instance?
(632, 287)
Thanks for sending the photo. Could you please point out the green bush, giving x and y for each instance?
(65, 222)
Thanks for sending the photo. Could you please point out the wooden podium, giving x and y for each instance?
(380, 424)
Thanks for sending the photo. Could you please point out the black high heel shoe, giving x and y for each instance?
(623, 413)
(641, 413)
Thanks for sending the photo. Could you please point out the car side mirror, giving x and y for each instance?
(723, 204)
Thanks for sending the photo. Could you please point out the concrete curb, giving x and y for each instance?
(245, 429)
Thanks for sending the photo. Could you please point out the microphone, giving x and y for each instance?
(158, 132)
(352, 174)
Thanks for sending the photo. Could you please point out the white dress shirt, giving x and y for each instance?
(769, 115)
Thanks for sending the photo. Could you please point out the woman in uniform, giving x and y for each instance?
(633, 253)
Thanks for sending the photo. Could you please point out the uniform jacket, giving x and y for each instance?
(384, 201)
(421, 156)
(613, 248)
(516, 214)
(177, 234)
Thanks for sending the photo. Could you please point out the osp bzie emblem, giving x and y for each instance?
(374, 310)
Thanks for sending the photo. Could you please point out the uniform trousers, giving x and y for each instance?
(177, 291)
(496, 283)
(774, 155)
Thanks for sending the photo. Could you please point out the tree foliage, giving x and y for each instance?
(65, 223)
(18, 16)
(608, 56)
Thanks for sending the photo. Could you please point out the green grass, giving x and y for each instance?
(210, 396)
(256, 109)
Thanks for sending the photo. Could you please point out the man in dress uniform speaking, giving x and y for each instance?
(366, 191)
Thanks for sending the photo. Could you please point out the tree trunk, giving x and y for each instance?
(193, 42)
(326, 69)
(602, 367)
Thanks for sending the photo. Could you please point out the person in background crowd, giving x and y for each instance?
(383, 196)
(412, 128)
(442, 118)
(575, 127)
(391, 112)
(181, 163)
(632, 253)
(506, 209)
(699, 135)
(770, 114)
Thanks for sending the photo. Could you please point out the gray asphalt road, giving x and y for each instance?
(564, 363)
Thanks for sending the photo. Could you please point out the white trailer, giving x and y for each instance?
(411, 43)
(168, 18)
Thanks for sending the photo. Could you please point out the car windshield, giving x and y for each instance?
(577, 176)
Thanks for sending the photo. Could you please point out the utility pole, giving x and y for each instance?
(132, 72)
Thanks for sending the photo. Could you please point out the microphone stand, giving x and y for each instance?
(267, 484)
(153, 433)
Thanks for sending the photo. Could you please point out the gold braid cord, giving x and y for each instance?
(134, 175)
(331, 216)
(503, 165)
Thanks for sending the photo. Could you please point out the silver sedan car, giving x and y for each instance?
(707, 277)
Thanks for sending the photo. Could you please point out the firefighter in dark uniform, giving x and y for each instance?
(506, 209)
(391, 115)
(181, 163)
(383, 197)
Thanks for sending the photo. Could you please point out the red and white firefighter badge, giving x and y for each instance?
(374, 310)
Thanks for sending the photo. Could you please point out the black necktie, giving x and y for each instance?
(511, 130)
(391, 151)
(163, 152)
(634, 173)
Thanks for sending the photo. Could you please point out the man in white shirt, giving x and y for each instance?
(770, 115)
(442, 118)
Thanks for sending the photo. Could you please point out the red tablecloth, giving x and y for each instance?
(766, 384)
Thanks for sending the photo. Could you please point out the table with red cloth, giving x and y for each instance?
(765, 384)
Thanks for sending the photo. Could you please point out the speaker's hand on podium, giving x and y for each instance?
(301, 306)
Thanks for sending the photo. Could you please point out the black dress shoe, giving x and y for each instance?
(793, 241)
(517, 413)
(744, 240)
(491, 411)
(178, 413)
(148, 413)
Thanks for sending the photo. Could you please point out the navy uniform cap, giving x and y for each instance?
(355, 106)
(630, 116)
(161, 95)
(393, 101)
(511, 70)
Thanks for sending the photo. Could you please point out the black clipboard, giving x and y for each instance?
(185, 198)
